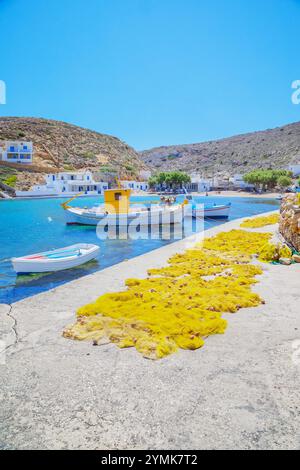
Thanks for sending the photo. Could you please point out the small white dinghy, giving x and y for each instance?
(56, 260)
(213, 212)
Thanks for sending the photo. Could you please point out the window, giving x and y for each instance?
(118, 196)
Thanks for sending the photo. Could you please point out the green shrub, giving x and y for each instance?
(10, 181)
(107, 169)
(88, 155)
(129, 168)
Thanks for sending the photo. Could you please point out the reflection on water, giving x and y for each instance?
(33, 226)
(40, 279)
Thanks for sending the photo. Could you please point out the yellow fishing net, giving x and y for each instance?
(179, 305)
(261, 221)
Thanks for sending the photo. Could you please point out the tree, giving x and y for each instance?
(152, 181)
(266, 179)
(177, 178)
(284, 181)
(161, 177)
(170, 179)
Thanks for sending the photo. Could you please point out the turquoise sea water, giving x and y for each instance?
(30, 226)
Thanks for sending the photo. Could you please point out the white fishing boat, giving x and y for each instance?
(118, 211)
(221, 211)
(56, 260)
(213, 212)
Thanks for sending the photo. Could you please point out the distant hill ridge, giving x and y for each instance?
(273, 148)
(62, 146)
(65, 145)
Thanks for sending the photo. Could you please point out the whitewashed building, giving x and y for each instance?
(198, 184)
(295, 169)
(239, 183)
(135, 185)
(66, 184)
(16, 152)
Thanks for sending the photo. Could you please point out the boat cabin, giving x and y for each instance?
(117, 201)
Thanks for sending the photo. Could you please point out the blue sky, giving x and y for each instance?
(152, 72)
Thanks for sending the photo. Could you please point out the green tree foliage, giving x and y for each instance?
(170, 179)
(152, 181)
(266, 179)
(284, 181)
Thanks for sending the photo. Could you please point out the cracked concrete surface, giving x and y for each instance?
(240, 391)
(8, 326)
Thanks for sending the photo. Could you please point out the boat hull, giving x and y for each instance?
(215, 212)
(76, 216)
(58, 260)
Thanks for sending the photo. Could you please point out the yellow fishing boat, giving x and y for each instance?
(118, 210)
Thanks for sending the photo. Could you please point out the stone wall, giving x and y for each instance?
(289, 224)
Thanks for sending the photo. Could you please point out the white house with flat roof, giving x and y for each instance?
(67, 184)
(198, 184)
(16, 152)
(294, 168)
(135, 185)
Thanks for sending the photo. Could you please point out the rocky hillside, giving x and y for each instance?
(273, 148)
(59, 146)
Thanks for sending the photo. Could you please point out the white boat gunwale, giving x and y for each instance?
(84, 216)
(42, 261)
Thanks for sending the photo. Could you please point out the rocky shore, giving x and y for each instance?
(289, 224)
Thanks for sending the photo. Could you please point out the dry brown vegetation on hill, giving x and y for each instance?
(58, 146)
(273, 149)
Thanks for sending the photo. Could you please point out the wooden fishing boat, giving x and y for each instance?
(118, 211)
(56, 260)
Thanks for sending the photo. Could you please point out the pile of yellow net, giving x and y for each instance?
(261, 221)
(179, 305)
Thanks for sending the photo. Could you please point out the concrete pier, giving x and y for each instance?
(241, 391)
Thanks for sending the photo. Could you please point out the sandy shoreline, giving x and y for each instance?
(221, 194)
(139, 194)
(239, 194)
